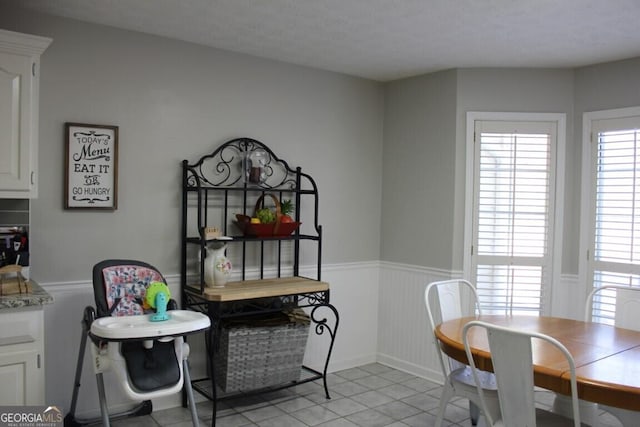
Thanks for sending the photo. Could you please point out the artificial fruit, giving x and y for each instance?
(286, 208)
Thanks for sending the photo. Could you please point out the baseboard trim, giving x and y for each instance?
(411, 368)
(340, 365)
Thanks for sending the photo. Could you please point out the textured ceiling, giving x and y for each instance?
(382, 39)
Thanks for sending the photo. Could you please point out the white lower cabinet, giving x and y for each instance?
(21, 357)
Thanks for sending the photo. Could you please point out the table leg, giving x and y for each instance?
(626, 417)
(588, 410)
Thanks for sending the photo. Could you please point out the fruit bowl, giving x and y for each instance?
(279, 229)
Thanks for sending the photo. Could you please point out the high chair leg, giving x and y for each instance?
(87, 317)
(70, 420)
(189, 391)
(104, 411)
(78, 376)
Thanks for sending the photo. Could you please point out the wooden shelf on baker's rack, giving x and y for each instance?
(260, 288)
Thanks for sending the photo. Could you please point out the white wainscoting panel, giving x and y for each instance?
(354, 293)
(404, 340)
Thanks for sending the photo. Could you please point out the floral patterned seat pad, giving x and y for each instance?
(126, 287)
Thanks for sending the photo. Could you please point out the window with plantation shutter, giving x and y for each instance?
(513, 213)
(612, 228)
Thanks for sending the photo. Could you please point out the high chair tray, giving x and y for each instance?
(181, 322)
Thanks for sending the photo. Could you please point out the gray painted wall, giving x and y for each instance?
(515, 90)
(175, 101)
(419, 165)
(425, 152)
(573, 92)
(599, 87)
(422, 223)
(606, 86)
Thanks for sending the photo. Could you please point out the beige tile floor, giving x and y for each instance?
(368, 396)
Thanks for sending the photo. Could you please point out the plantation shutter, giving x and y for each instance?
(513, 194)
(614, 251)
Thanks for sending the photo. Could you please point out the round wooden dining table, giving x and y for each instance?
(607, 358)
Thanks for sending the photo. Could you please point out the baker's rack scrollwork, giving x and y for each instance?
(232, 164)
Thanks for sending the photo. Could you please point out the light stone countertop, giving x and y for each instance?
(37, 297)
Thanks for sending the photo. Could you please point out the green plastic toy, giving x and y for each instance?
(157, 297)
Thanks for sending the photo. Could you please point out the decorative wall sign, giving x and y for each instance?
(91, 164)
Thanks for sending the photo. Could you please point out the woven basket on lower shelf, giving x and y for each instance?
(257, 352)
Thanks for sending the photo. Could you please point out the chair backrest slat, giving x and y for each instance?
(514, 376)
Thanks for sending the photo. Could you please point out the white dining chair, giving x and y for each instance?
(446, 300)
(627, 305)
(511, 357)
(626, 300)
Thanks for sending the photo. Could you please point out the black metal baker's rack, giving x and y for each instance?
(217, 187)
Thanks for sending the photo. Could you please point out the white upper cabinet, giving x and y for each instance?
(19, 83)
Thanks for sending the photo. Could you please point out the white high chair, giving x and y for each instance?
(149, 357)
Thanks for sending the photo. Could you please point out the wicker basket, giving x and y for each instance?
(277, 228)
(258, 352)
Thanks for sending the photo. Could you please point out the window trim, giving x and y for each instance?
(586, 202)
(557, 216)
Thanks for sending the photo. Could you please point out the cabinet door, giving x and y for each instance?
(20, 379)
(16, 119)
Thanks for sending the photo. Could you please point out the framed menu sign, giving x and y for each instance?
(91, 166)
